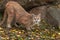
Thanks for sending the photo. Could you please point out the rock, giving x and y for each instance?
(25, 3)
(55, 13)
(58, 1)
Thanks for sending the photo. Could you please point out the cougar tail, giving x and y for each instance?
(3, 19)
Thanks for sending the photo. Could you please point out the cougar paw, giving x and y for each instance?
(28, 28)
(9, 26)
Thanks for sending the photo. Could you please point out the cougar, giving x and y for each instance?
(16, 14)
(15, 11)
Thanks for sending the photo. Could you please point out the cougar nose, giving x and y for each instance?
(36, 21)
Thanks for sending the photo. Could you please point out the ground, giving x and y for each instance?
(44, 32)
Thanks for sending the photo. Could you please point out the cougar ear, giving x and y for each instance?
(33, 15)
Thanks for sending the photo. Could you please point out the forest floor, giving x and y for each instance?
(44, 32)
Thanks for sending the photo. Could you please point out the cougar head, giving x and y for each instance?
(36, 19)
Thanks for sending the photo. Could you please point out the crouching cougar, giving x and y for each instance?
(16, 14)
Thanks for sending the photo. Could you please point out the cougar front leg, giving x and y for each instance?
(9, 21)
(10, 13)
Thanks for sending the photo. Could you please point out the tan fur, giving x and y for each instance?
(14, 10)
